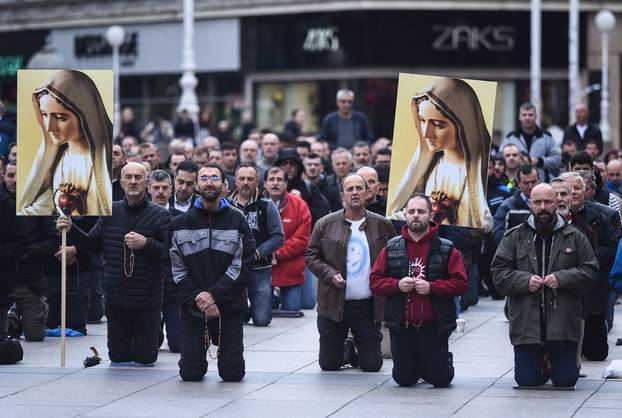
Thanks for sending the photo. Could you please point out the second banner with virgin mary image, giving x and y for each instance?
(64, 142)
(441, 147)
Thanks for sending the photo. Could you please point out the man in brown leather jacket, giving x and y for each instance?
(343, 247)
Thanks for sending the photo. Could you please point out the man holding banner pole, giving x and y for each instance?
(132, 242)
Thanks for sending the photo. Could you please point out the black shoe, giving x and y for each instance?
(349, 353)
(14, 325)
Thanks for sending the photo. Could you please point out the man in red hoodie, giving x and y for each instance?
(420, 274)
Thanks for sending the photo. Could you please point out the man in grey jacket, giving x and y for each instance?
(543, 266)
(538, 143)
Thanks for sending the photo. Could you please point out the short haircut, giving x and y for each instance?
(218, 167)
(360, 144)
(159, 175)
(418, 195)
(559, 180)
(569, 141)
(12, 144)
(247, 165)
(12, 163)
(341, 151)
(187, 165)
(383, 171)
(272, 170)
(295, 111)
(527, 106)
(228, 146)
(525, 170)
(569, 174)
(312, 156)
(581, 157)
(345, 93)
(303, 144)
(148, 145)
(510, 145)
(384, 151)
(343, 180)
(200, 151)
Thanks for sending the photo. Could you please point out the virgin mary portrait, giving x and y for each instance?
(71, 170)
(450, 162)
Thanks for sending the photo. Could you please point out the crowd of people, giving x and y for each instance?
(209, 233)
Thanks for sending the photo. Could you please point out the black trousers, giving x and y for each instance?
(595, 347)
(193, 362)
(421, 353)
(358, 316)
(133, 335)
(78, 288)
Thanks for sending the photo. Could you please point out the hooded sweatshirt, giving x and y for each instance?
(418, 309)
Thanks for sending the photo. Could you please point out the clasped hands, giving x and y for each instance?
(408, 284)
(206, 304)
(535, 282)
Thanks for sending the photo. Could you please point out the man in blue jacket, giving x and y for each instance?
(345, 126)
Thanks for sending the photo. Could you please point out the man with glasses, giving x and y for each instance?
(212, 254)
(346, 126)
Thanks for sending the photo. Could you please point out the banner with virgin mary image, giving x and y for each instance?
(441, 147)
(64, 142)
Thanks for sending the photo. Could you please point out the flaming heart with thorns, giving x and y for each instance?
(70, 199)
(442, 208)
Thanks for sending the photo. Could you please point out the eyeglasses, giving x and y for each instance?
(210, 179)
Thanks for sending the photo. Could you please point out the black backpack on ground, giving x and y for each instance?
(10, 350)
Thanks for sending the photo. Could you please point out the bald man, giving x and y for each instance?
(544, 265)
(371, 202)
(582, 130)
(614, 176)
(133, 242)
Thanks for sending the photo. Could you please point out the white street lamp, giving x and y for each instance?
(188, 82)
(573, 59)
(605, 22)
(536, 67)
(115, 35)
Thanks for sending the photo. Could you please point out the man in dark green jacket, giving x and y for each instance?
(543, 266)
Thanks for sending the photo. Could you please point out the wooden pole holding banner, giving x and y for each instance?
(63, 294)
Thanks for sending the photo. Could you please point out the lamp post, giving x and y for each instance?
(605, 22)
(536, 67)
(573, 58)
(115, 36)
(188, 81)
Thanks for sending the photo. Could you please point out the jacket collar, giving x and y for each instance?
(233, 198)
(558, 225)
(224, 203)
(138, 206)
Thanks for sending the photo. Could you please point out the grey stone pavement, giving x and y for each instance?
(283, 379)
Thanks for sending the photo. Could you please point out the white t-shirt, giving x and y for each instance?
(358, 264)
(581, 129)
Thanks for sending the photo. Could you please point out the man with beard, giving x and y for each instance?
(605, 223)
(263, 219)
(343, 247)
(420, 274)
(544, 265)
(212, 253)
(133, 242)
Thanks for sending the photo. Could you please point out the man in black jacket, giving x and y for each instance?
(13, 246)
(133, 244)
(605, 223)
(212, 253)
(583, 130)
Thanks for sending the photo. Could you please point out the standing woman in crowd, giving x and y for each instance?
(72, 167)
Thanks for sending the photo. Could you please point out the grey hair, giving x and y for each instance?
(160, 175)
(345, 93)
(341, 151)
(570, 174)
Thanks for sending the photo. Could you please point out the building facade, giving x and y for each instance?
(274, 56)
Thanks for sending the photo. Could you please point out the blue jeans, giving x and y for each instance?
(291, 298)
(260, 296)
(309, 290)
(528, 361)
